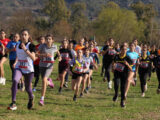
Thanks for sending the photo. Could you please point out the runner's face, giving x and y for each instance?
(49, 40)
(135, 42)
(111, 42)
(81, 42)
(124, 50)
(86, 44)
(132, 47)
(144, 50)
(2, 35)
(71, 45)
(42, 40)
(87, 52)
(79, 53)
(16, 37)
(65, 44)
(25, 36)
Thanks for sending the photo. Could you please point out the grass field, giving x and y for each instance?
(97, 105)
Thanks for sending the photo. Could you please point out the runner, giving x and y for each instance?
(86, 76)
(134, 56)
(66, 56)
(156, 62)
(41, 40)
(121, 67)
(46, 54)
(144, 70)
(25, 51)
(78, 67)
(109, 54)
(3, 55)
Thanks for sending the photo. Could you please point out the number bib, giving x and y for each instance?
(144, 65)
(111, 52)
(23, 64)
(119, 67)
(48, 59)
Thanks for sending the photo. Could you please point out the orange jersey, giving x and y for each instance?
(78, 47)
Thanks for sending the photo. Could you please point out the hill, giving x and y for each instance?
(7, 7)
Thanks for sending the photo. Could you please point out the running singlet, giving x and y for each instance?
(119, 64)
(25, 63)
(78, 66)
(88, 62)
(134, 57)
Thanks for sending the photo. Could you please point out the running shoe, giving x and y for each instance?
(51, 85)
(3, 81)
(104, 79)
(65, 85)
(110, 85)
(30, 103)
(60, 90)
(143, 95)
(123, 104)
(75, 98)
(81, 95)
(12, 106)
(41, 102)
(158, 91)
(34, 90)
(115, 98)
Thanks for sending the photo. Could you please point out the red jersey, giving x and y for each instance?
(36, 62)
(95, 50)
(5, 41)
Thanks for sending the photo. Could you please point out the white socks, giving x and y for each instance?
(42, 98)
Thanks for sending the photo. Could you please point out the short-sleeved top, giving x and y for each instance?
(11, 45)
(110, 54)
(74, 54)
(47, 61)
(134, 57)
(94, 57)
(153, 54)
(78, 47)
(144, 64)
(120, 66)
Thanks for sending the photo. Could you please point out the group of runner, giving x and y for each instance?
(78, 60)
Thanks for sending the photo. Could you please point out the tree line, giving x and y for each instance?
(140, 21)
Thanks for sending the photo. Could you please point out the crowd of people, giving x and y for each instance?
(78, 60)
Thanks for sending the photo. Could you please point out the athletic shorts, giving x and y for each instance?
(1, 56)
(91, 67)
(45, 71)
(75, 76)
(62, 68)
(85, 73)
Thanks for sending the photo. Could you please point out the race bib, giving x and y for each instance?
(111, 52)
(144, 65)
(23, 64)
(48, 59)
(119, 67)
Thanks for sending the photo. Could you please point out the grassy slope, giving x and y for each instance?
(97, 105)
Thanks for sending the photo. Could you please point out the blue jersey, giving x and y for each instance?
(95, 57)
(11, 45)
(134, 57)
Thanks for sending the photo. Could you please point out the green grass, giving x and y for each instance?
(97, 105)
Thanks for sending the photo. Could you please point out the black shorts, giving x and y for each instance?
(75, 76)
(91, 67)
(1, 56)
(85, 73)
(62, 68)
